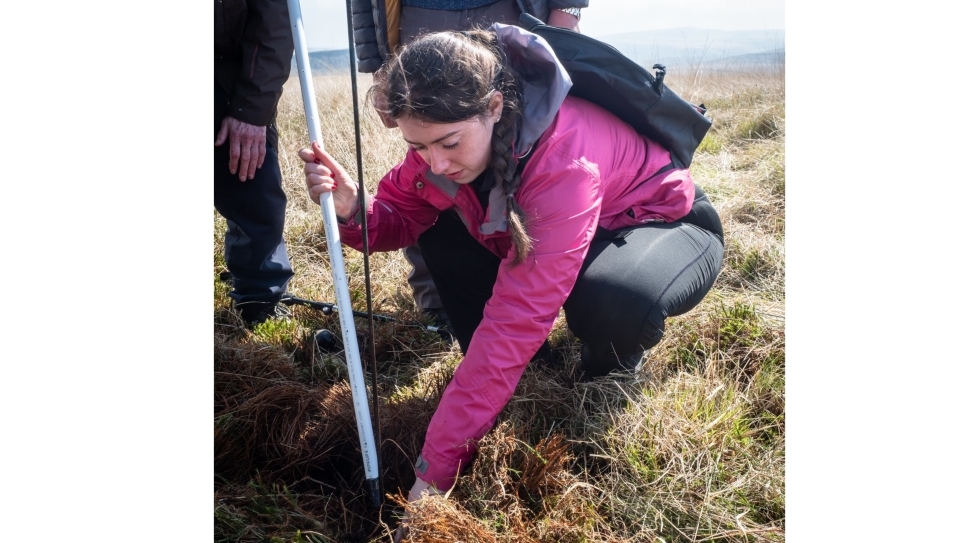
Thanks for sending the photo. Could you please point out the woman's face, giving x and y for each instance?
(461, 150)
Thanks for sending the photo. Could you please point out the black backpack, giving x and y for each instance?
(603, 75)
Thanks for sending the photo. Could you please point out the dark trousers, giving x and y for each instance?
(255, 211)
(630, 282)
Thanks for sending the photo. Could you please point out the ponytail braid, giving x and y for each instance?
(505, 131)
(504, 167)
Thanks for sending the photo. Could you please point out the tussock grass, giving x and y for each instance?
(519, 493)
(690, 449)
(685, 463)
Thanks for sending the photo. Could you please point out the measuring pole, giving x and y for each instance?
(357, 382)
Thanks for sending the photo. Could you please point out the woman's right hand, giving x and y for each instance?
(420, 490)
(324, 174)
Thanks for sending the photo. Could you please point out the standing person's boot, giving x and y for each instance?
(258, 312)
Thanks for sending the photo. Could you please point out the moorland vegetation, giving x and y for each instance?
(691, 449)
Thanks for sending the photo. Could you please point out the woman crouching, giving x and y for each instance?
(598, 222)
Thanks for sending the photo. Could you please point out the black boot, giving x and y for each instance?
(258, 312)
(545, 356)
(598, 362)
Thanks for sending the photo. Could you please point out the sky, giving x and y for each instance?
(326, 28)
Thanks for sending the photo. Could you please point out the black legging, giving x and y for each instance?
(630, 282)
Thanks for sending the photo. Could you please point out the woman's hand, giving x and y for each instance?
(420, 490)
(324, 174)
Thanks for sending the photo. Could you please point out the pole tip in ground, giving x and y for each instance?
(375, 494)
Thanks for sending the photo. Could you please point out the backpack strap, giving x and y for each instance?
(603, 75)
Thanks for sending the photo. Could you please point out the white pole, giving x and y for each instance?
(353, 360)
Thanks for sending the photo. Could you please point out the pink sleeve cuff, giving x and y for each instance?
(436, 470)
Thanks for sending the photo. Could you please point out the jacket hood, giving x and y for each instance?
(545, 85)
(545, 81)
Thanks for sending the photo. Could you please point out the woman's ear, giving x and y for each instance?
(496, 106)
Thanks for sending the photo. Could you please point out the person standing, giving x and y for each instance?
(253, 56)
(380, 27)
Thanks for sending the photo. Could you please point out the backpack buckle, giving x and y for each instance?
(659, 71)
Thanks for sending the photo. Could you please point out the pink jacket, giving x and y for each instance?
(588, 168)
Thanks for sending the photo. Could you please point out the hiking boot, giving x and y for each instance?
(258, 312)
(546, 357)
(598, 363)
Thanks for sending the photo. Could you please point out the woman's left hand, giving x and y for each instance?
(420, 490)
(324, 174)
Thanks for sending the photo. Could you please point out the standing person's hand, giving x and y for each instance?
(420, 490)
(561, 19)
(324, 174)
(247, 146)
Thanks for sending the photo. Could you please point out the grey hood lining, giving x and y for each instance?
(545, 85)
(545, 81)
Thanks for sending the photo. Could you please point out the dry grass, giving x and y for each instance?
(692, 449)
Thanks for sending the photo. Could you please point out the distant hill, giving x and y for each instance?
(693, 46)
(765, 58)
(326, 62)
(671, 47)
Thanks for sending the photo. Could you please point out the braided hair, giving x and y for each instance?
(449, 77)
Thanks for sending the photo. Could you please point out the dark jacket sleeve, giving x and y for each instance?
(364, 34)
(266, 62)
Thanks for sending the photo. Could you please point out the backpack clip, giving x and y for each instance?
(659, 71)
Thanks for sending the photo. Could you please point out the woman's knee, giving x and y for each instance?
(624, 296)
